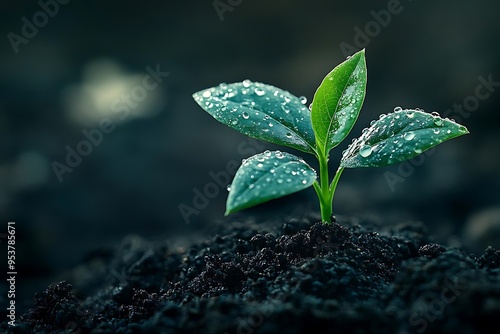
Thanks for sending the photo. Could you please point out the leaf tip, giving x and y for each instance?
(196, 94)
(229, 210)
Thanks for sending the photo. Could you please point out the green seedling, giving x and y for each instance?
(268, 113)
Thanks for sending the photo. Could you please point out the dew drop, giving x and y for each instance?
(245, 115)
(436, 131)
(365, 151)
(228, 188)
(285, 108)
(279, 155)
(259, 92)
(417, 150)
(435, 114)
(409, 135)
(410, 115)
(234, 122)
(288, 135)
(304, 181)
(288, 180)
(207, 93)
(271, 125)
(267, 153)
(280, 181)
(246, 83)
(303, 99)
(251, 186)
(396, 109)
(260, 165)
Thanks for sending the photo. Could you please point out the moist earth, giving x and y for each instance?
(301, 276)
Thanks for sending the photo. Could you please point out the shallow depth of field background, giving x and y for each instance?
(68, 77)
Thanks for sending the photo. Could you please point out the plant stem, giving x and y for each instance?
(322, 190)
(333, 186)
(325, 193)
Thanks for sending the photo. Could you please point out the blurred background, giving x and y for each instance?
(100, 137)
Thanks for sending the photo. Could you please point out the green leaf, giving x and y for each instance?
(266, 176)
(399, 136)
(260, 111)
(337, 102)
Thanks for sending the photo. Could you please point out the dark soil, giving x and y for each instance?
(297, 277)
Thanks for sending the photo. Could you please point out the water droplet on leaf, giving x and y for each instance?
(409, 135)
(259, 92)
(365, 151)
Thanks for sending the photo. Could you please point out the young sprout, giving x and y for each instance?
(268, 113)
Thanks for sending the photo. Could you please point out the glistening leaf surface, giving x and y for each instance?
(337, 102)
(260, 111)
(399, 136)
(266, 176)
